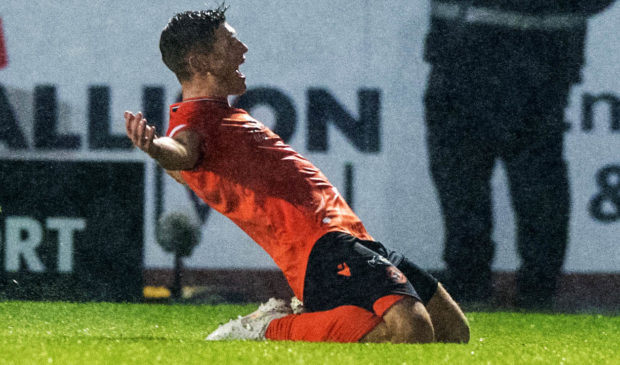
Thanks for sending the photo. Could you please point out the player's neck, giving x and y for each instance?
(202, 86)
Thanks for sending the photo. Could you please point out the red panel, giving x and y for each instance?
(4, 58)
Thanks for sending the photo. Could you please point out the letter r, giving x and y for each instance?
(17, 245)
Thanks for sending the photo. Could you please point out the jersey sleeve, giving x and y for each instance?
(178, 128)
(179, 120)
(177, 123)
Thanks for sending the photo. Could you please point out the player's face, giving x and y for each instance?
(226, 57)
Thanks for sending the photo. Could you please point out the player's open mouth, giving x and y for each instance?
(239, 74)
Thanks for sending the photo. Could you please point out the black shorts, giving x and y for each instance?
(345, 270)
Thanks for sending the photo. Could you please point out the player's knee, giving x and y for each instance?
(458, 332)
(409, 322)
(461, 333)
(418, 329)
(449, 321)
(460, 327)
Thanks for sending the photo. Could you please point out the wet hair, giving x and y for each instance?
(188, 32)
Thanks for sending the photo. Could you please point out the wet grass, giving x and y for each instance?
(107, 333)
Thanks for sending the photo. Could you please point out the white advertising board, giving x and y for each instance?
(74, 67)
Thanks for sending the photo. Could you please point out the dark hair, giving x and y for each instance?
(187, 32)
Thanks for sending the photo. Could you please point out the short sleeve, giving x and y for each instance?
(177, 121)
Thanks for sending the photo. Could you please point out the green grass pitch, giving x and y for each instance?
(107, 333)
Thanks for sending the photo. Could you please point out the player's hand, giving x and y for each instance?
(140, 133)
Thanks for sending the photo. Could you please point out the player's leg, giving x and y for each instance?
(274, 320)
(345, 323)
(345, 275)
(407, 321)
(401, 319)
(449, 321)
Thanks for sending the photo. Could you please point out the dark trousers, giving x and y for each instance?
(472, 123)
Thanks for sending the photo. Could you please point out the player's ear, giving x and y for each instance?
(198, 63)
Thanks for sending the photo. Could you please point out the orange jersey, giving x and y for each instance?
(247, 173)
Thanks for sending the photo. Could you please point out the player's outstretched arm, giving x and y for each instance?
(178, 153)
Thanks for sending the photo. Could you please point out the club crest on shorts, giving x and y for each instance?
(395, 275)
(344, 270)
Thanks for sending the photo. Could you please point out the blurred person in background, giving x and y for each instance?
(500, 80)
